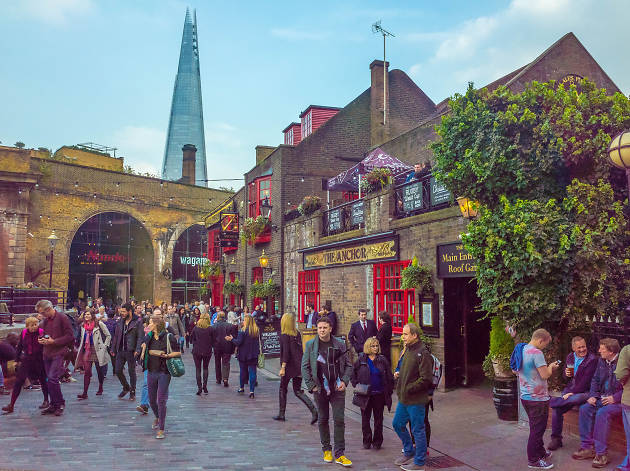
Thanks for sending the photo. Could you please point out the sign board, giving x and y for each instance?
(454, 262)
(371, 251)
(357, 213)
(412, 197)
(270, 340)
(334, 220)
(439, 193)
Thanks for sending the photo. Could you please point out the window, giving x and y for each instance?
(259, 192)
(388, 296)
(307, 124)
(308, 291)
(214, 246)
(288, 137)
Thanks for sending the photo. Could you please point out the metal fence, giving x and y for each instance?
(420, 196)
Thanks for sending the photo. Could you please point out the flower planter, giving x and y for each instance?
(500, 372)
(505, 398)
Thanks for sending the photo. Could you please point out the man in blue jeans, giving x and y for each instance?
(602, 406)
(580, 367)
(415, 378)
(623, 375)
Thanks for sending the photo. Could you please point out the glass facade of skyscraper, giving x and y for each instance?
(185, 124)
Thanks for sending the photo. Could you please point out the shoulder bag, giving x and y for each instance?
(174, 365)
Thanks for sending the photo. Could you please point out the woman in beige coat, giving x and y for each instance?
(95, 338)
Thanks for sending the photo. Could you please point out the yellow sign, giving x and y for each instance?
(353, 255)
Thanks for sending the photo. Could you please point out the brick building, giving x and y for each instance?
(118, 232)
(359, 264)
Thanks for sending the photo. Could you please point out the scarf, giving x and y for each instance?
(88, 338)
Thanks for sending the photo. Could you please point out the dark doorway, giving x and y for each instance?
(466, 334)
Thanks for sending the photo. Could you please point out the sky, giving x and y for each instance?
(102, 71)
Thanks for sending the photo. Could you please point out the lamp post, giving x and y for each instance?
(619, 153)
(264, 260)
(266, 205)
(52, 240)
(468, 207)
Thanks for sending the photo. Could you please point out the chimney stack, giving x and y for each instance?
(188, 166)
(379, 127)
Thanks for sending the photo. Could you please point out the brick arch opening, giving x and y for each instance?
(189, 254)
(111, 256)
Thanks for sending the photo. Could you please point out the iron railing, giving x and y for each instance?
(343, 218)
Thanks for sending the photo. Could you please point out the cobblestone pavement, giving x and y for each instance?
(221, 431)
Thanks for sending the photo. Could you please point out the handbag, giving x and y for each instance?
(362, 389)
(360, 400)
(174, 365)
(261, 355)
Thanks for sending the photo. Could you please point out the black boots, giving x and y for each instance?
(86, 385)
(283, 405)
(205, 381)
(307, 402)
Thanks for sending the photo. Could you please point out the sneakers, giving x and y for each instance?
(225, 383)
(132, 395)
(412, 467)
(584, 454)
(600, 461)
(154, 426)
(540, 464)
(58, 411)
(555, 443)
(160, 434)
(343, 461)
(328, 457)
(123, 393)
(49, 410)
(403, 459)
(144, 410)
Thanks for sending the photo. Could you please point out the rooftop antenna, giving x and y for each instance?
(376, 28)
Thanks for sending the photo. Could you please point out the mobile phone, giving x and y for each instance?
(46, 336)
(558, 362)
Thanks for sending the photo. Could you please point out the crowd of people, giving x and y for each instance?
(153, 337)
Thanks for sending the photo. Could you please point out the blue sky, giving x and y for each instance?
(103, 70)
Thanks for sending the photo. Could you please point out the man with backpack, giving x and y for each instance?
(57, 337)
(415, 380)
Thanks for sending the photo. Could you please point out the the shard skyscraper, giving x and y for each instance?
(185, 125)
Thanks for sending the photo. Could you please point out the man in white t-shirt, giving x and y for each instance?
(532, 378)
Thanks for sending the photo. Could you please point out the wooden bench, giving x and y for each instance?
(616, 438)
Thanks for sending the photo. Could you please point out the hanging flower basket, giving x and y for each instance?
(254, 227)
(417, 276)
(264, 290)
(376, 180)
(309, 205)
(209, 270)
(235, 287)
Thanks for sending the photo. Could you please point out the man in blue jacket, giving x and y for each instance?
(601, 407)
(580, 368)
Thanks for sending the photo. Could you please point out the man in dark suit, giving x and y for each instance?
(361, 330)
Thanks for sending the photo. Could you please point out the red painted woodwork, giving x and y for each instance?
(308, 291)
(257, 276)
(258, 191)
(216, 288)
(214, 248)
(315, 116)
(388, 296)
(293, 134)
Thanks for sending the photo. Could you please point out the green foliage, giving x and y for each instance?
(264, 290)
(253, 227)
(549, 253)
(209, 269)
(309, 205)
(376, 180)
(19, 145)
(428, 341)
(501, 347)
(417, 276)
(235, 287)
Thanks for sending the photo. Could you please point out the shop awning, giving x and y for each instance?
(349, 180)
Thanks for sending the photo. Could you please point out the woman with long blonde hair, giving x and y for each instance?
(248, 349)
(291, 367)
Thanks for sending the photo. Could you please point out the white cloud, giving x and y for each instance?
(299, 35)
(142, 147)
(467, 40)
(53, 12)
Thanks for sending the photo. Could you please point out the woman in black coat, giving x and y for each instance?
(202, 340)
(248, 345)
(291, 367)
(384, 335)
(373, 369)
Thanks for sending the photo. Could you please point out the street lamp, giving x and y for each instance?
(265, 204)
(52, 240)
(468, 207)
(619, 153)
(264, 260)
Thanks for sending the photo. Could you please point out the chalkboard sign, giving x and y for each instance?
(334, 220)
(412, 197)
(270, 340)
(439, 193)
(357, 215)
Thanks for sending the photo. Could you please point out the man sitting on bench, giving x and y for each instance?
(601, 407)
(580, 367)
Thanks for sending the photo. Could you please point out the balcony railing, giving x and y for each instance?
(420, 196)
(343, 218)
